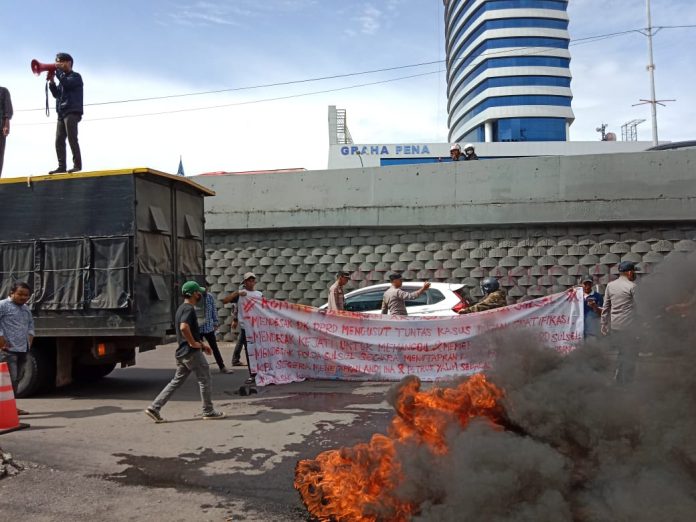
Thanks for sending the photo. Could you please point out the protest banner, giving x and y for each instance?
(289, 342)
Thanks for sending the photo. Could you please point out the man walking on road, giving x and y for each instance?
(336, 301)
(618, 320)
(394, 300)
(189, 356)
(16, 331)
(5, 117)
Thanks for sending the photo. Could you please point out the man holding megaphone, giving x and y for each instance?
(68, 94)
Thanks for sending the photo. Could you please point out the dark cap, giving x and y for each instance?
(627, 266)
(342, 274)
(588, 279)
(64, 57)
(395, 276)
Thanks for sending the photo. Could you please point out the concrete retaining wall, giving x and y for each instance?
(300, 265)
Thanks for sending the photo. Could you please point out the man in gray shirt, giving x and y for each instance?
(618, 319)
(5, 117)
(394, 300)
(16, 330)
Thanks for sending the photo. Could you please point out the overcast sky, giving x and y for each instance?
(138, 49)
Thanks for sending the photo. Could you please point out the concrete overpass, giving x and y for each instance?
(539, 224)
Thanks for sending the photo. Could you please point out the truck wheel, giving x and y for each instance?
(83, 373)
(39, 371)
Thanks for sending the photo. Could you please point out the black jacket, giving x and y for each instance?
(5, 105)
(68, 93)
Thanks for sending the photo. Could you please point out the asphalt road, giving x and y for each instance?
(92, 454)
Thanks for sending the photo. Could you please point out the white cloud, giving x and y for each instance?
(370, 19)
(229, 12)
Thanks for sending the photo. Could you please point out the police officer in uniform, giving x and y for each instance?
(493, 297)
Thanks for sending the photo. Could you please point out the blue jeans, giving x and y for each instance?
(15, 362)
(194, 362)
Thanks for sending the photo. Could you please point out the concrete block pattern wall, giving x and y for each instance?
(300, 265)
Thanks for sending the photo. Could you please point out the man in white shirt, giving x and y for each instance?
(247, 291)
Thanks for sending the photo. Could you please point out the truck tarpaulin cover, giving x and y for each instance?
(289, 343)
(16, 264)
(69, 274)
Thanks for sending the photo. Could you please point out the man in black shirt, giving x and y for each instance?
(189, 356)
(5, 117)
(68, 94)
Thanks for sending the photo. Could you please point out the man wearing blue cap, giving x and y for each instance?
(189, 356)
(618, 320)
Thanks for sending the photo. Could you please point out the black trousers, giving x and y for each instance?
(67, 129)
(241, 343)
(212, 342)
(3, 139)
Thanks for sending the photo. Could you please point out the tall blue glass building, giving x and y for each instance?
(508, 70)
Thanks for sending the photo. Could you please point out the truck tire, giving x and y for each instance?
(39, 371)
(83, 373)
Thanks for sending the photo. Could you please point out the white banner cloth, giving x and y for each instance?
(289, 342)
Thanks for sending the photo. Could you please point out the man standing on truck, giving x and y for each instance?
(16, 331)
(5, 117)
(189, 356)
(68, 94)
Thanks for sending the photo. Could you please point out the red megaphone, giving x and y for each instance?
(37, 68)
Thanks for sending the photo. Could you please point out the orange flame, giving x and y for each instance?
(361, 483)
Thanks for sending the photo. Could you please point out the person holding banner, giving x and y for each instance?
(336, 301)
(493, 297)
(592, 307)
(394, 300)
(248, 290)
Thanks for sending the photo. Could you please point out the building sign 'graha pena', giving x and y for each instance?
(384, 150)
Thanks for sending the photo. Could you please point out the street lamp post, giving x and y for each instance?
(653, 101)
(651, 71)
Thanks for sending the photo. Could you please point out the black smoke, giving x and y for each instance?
(577, 447)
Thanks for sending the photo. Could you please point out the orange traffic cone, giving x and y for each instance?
(9, 420)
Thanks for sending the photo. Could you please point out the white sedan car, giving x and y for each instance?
(439, 299)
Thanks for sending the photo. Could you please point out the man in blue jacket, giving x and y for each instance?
(68, 95)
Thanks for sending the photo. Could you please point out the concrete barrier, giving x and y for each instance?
(648, 186)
